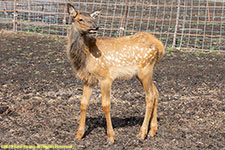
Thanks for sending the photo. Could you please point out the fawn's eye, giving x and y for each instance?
(80, 20)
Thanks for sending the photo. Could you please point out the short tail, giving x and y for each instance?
(161, 51)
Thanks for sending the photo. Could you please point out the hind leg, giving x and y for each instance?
(153, 129)
(146, 79)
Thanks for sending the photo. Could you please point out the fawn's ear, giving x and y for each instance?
(95, 14)
(71, 10)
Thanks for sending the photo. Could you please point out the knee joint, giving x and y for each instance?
(106, 107)
(83, 106)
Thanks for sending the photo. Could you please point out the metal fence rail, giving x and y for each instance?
(191, 24)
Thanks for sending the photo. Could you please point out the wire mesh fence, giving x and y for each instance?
(191, 24)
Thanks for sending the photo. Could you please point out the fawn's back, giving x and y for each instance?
(123, 57)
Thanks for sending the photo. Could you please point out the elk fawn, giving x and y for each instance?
(102, 60)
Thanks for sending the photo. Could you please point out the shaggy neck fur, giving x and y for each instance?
(76, 49)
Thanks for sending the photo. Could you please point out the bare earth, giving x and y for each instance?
(40, 97)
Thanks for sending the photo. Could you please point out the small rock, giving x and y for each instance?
(3, 109)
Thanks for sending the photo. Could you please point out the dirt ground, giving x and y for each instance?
(40, 100)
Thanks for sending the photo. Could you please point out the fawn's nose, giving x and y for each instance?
(96, 28)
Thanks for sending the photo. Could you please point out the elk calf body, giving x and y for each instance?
(102, 60)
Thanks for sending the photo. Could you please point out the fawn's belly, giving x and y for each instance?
(123, 72)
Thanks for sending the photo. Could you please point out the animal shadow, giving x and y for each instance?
(92, 123)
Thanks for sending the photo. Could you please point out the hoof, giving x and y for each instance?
(140, 140)
(152, 133)
(142, 134)
(110, 140)
(79, 135)
(109, 143)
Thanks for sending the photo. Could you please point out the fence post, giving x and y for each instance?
(123, 19)
(15, 17)
(4, 6)
(65, 12)
(69, 20)
(29, 8)
(207, 5)
(177, 22)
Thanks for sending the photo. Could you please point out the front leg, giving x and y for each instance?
(106, 104)
(87, 90)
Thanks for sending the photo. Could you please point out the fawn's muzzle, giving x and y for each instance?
(93, 30)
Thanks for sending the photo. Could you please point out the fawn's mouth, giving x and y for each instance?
(93, 30)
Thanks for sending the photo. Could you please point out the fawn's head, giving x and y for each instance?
(84, 22)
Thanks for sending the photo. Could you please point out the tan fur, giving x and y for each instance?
(102, 60)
